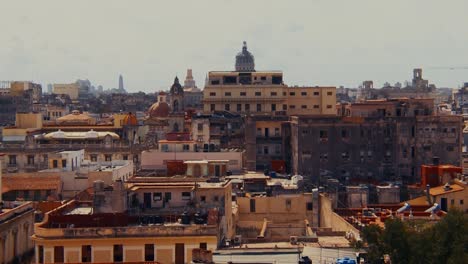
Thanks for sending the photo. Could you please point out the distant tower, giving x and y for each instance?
(245, 61)
(121, 85)
(189, 81)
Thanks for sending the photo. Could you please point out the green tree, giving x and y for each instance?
(413, 243)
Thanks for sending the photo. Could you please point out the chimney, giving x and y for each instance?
(428, 194)
(435, 161)
(1, 168)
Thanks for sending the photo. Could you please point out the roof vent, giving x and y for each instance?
(447, 187)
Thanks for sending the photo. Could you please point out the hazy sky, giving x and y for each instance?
(315, 42)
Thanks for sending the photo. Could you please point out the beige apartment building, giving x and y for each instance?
(70, 89)
(265, 93)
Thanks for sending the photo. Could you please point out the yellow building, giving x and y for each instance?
(16, 227)
(70, 89)
(265, 93)
(165, 220)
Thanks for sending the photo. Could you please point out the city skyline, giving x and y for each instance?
(313, 43)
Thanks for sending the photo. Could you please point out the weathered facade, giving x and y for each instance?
(372, 148)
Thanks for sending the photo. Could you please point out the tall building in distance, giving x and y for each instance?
(121, 84)
(189, 81)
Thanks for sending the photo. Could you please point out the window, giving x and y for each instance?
(216, 198)
(292, 107)
(461, 202)
(118, 253)
(186, 196)
(450, 148)
(273, 94)
(215, 82)
(285, 107)
(284, 93)
(86, 253)
(252, 205)
(323, 134)
(345, 155)
(273, 107)
(157, 196)
(304, 106)
(259, 132)
(93, 157)
(203, 246)
(344, 133)
(12, 159)
(30, 159)
(200, 127)
(259, 150)
(316, 106)
(292, 93)
(288, 204)
(212, 94)
(259, 107)
(149, 252)
(212, 107)
(227, 94)
(452, 202)
(108, 157)
(329, 93)
(186, 147)
(263, 78)
(167, 196)
(243, 94)
(329, 106)
(37, 195)
(125, 157)
(316, 93)
(41, 254)
(227, 107)
(203, 198)
(239, 107)
(304, 93)
(64, 163)
(247, 107)
(55, 163)
(258, 93)
(309, 206)
(277, 149)
(58, 254)
(265, 150)
(165, 147)
(277, 132)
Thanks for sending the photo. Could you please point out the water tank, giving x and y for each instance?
(296, 179)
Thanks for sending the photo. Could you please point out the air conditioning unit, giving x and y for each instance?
(237, 240)
(293, 240)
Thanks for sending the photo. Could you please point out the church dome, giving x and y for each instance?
(159, 109)
(176, 88)
(130, 120)
(245, 61)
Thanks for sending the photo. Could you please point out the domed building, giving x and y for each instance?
(245, 61)
(160, 108)
(167, 114)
